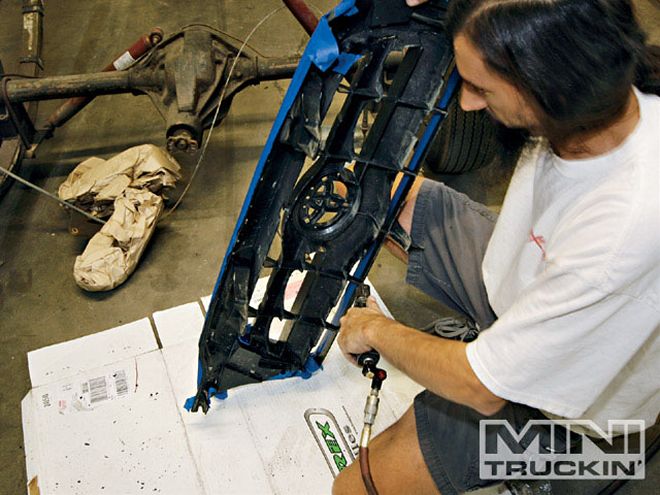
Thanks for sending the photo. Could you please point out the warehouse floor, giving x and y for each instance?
(39, 302)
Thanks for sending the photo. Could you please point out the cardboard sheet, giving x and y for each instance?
(67, 359)
(106, 416)
(276, 428)
(97, 433)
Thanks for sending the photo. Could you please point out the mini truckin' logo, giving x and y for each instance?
(330, 439)
(560, 449)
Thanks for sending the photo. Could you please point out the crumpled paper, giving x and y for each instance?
(96, 183)
(125, 188)
(113, 253)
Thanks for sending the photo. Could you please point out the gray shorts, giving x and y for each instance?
(450, 233)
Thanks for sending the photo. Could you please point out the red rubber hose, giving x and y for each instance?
(366, 471)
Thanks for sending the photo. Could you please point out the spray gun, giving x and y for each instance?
(368, 361)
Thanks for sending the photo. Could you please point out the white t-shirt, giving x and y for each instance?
(573, 273)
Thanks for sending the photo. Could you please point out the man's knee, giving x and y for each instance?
(397, 464)
(349, 481)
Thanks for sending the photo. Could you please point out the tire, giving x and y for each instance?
(465, 141)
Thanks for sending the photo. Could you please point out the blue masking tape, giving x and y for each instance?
(328, 54)
(189, 403)
(346, 7)
(218, 395)
(327, 49)
(311, 367)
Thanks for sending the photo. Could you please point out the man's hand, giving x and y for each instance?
(438, 364)
(414, 3)
(353, 336)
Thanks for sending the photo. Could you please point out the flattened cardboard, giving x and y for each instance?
(112, 444)
(106, 416)
(66, 359)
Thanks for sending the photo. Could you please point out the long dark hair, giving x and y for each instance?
(577, 59)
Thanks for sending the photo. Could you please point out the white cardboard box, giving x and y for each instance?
(106, 416)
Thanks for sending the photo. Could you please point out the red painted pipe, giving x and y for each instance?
(73, 105)
(303, 14)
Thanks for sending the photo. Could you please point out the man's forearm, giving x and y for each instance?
(438, 364)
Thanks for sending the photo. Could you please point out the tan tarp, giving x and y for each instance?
(126, 187)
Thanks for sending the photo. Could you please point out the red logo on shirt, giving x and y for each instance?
(538, 240)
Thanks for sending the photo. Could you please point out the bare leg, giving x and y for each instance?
(397, 465)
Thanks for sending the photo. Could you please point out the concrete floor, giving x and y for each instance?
(39, 301)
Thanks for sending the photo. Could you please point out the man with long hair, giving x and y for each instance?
(564, 287)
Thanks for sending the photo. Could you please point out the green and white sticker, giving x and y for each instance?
(334, 444)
